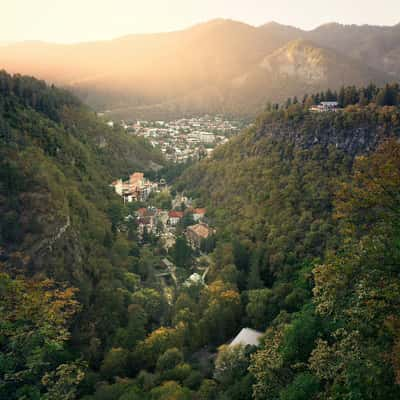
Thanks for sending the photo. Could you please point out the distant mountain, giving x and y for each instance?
(372, 45)
(300, 67)
(218, 66)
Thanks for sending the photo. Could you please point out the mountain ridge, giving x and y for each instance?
(165, 68)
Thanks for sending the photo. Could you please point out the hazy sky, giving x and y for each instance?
(82, 20)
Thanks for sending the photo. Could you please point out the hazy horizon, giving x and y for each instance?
(74, 21)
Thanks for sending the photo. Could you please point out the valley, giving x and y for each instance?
(209, 213)
(157, 273)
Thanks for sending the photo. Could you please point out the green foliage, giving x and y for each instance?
(389, 95)
(260, 308)
(241, 389)
(181, 252)
(158, 342)
(114, 363)
(162, 200)
(344, 339)
(170, 391)
(33, 333)
(151, 302)
(300, 336)
(60, 218)
(208, 390)
(231, 364)
(304, 387)
(169, 360)
(116, 391)
(222, 309)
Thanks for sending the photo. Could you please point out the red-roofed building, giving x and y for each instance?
(142, 212)
(174, 217)
(136, 179)
(199, 213)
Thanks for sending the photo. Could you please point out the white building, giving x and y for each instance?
(194, 279)
(247, 337)
(325, 106)
(207, 137)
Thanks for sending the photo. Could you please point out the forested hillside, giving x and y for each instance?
(306, 208)
(273, 185)
(57, 161)
(59, 221)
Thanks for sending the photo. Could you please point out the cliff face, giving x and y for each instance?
(328, 130)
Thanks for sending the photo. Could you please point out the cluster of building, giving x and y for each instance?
(151, 219)
(174, 217)
(196, 233)
(163, 223)
(186, 138)
(136, 188)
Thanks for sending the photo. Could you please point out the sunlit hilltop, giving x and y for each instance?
(219, 66)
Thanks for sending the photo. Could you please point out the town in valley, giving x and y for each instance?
(185, 138)
(155, 213)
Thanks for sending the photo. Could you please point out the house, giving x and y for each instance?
(136, 179)
(198, 214)
(194, 279)
(196, 233)
(174, 217)
(147, 218)
(206, 137)
(247, 337)
(325, 106)
(141, 212)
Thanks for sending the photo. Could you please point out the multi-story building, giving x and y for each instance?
(136, 188)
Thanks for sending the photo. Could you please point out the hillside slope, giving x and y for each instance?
(57, 160)
(307, 215)
(273, 185)
(371, 45)
(306, 208)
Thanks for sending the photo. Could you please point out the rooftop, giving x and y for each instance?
(201, 230)
(247, 337)
(199, 211)
(175, 214)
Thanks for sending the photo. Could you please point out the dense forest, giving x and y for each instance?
(389, 95)
(306, 208)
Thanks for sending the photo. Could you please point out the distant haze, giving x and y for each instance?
(222, 66)
(68, 21)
